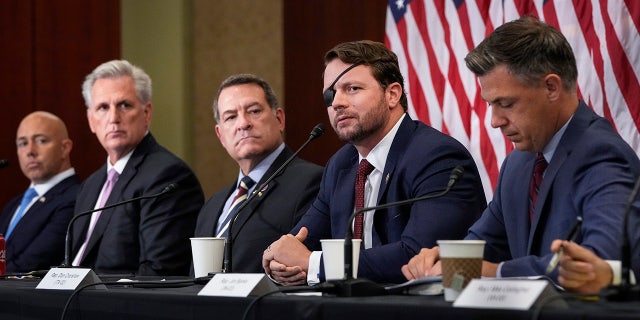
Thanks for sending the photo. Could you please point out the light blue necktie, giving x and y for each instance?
(26, 199)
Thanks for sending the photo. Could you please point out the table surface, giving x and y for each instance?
(20, 300)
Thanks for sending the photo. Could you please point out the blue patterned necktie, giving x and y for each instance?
(26, 199)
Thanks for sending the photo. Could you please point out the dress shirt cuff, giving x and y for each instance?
(616, 270)
(313, 274)
(499, 270)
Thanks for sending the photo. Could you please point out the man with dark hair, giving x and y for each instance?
(389, 157)
(250, 125)
(568, 163)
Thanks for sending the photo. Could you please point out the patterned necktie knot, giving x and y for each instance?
(245, 184)
(364, 169)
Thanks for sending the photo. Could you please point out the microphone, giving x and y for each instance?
(67, 240)
(4, 163)
(227, 263)
(350, 287)
(625, 291)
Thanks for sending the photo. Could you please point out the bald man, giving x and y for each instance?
(34, 223)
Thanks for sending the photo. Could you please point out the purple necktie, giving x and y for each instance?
(112, 178)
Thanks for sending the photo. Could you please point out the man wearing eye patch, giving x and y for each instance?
(396, 157)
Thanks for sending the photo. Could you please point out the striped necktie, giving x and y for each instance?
(243, 187)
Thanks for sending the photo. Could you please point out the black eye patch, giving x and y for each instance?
(329, 94)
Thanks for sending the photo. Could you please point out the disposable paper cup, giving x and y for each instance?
(333, 257)
(461, 261)
(207, 255)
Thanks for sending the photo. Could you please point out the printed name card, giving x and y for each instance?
(507, 294)
(68, 279)
(238, 285)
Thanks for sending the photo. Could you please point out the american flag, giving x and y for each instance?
(432, 37)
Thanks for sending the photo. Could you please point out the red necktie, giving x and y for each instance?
(364, 169)
(536, 180)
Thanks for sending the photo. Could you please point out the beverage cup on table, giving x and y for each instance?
(333, 258)
(207, 254)
(461, 261)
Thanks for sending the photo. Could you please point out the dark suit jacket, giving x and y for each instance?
(419, 162)
(591, 175)
(145, 237)
(37, 242)
(269, 215)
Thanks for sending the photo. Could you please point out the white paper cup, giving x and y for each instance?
(207, 254)
(461, 261)
(333, 257)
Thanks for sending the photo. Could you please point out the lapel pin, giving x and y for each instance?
(42, 199)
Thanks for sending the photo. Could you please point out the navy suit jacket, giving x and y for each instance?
(37, 242)
(145, 237)
(591, 175)
(419, 162)
(272, 212)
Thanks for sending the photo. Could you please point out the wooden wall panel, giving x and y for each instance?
(311, 28)
(53, 45)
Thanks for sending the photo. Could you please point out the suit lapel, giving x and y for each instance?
(37, 210)
(127, 175)
(398, 147)
(574, 131)
(260, 192)
(94, 186)
(9, 212)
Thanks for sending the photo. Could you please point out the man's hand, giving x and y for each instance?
(287, 276)
(580, 269)
(425, 263)
(287, 259)
(489, 269)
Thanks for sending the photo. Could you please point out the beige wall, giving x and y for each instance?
(188, 47)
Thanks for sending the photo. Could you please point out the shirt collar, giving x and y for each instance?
(42, 188)
(378, 155)
(258, 172)
(550, 149)
(121, 163)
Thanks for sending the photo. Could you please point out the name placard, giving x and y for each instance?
(68, 279)
(238, 285)
(507, 294)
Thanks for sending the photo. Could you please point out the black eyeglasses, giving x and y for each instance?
(329, 94)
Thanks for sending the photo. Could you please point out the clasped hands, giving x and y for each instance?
(287, 259)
